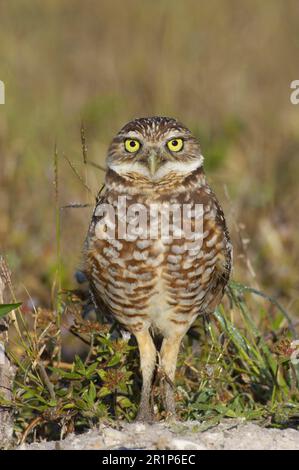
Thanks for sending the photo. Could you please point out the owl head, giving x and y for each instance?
(154, 147)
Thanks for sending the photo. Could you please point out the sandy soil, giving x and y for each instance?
(178, 436)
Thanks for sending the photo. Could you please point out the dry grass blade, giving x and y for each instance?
(75, 171)
(75, 205)
(96, 165)
(83, 143)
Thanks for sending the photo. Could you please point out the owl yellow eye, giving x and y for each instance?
(132, 145)
(175, 145)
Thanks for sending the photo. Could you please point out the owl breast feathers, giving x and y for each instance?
(158, 252)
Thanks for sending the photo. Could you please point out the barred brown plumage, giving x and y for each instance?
(157, 284)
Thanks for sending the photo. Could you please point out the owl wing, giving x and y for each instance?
(89, 248)
(218, 239)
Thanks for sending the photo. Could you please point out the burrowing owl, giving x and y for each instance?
(158, 252)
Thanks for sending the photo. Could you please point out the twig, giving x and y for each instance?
(60, 365)
(90, 350)
(29, 428)
(46, 381)
(79, 336)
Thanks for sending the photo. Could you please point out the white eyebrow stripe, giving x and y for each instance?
(133, 135)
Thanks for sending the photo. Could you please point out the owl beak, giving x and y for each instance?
(154, 162)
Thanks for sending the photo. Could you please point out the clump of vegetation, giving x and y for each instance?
(52, 397)
(246, 365)
(230, 366)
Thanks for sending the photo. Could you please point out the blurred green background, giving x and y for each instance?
(223, 68)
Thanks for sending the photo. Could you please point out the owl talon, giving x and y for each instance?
(169, 400)
(145, 416)
(170, 417)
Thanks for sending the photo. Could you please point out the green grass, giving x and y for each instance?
(232, 365)
(244, 367)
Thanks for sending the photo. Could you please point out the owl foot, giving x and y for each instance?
(145, 415)
(169, 400)
(170, 417)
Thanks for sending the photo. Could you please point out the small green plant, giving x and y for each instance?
(52, 398)
(244, 367)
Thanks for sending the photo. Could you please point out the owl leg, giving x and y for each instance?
(169, 354)
(148, 354)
